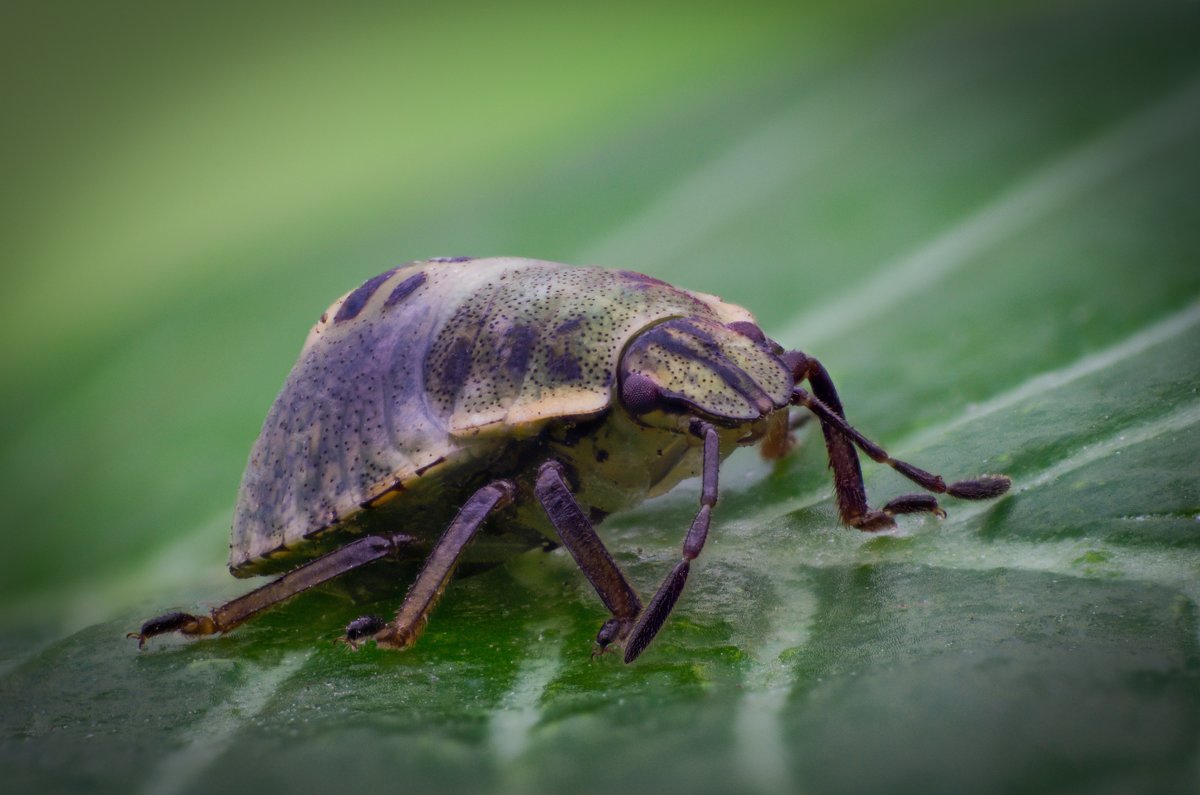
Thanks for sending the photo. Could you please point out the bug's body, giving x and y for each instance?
(489, 405)
(432, 379)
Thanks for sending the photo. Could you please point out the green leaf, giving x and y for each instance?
(981, 219)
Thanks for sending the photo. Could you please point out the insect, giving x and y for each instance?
(462, 408)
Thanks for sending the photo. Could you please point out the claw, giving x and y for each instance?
(614, 629)
(185, 623)
(361, 630)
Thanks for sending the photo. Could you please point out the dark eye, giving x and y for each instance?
(639, 394)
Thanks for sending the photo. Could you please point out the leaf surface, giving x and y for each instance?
(981, 219)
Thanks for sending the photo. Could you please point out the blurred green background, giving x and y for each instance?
(981, 216)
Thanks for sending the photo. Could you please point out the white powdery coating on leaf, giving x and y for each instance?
(761, 749)
(206, 741)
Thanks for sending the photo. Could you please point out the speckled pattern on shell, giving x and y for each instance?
(423, 372)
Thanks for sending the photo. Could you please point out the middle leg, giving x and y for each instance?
(651, 621)
(581, 540)
(427, 588)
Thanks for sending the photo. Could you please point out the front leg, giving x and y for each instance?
(651, 621)
(840, 442)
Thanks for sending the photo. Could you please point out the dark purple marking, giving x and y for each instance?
(641, 279)
(355, 302)
(564, 367)
(748, 329)
(404, 288)
(458, 362)
(569, 326)
(692, 329)
(451, 259)
(519, 346)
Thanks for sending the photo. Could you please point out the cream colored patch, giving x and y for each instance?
(726, 313)
(523, 418)
(322, 326)
(562, 402)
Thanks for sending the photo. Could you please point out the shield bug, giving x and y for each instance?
(471, 408)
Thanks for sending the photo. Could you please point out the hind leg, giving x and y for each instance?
(229, 615)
